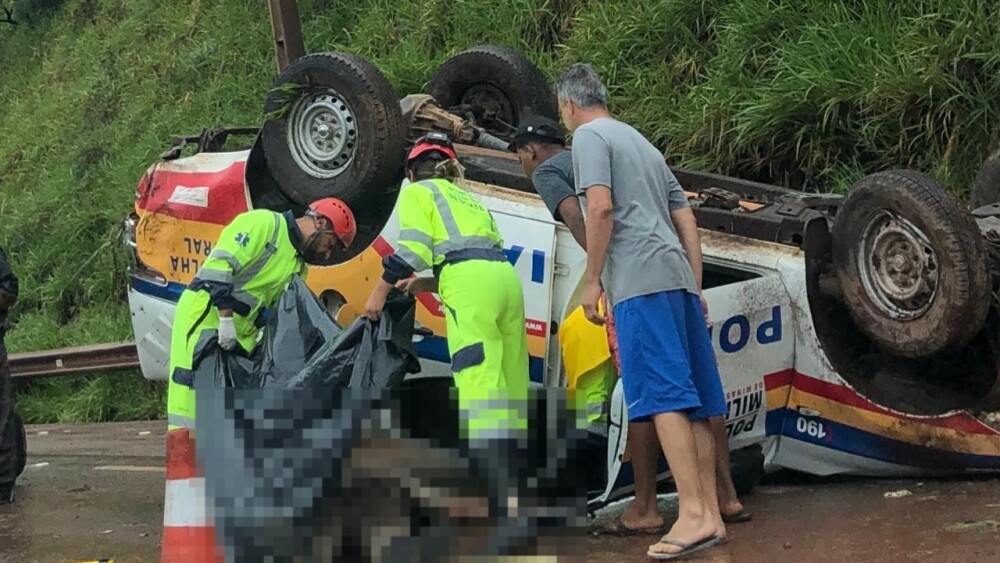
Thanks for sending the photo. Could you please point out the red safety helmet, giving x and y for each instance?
(432, 141)
(339, 215)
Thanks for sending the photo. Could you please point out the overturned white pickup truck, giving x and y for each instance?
(854, 335)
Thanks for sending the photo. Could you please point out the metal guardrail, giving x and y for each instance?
(74, 361)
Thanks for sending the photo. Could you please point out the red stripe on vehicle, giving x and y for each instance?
(960, 422)
(779, 379)
(215, 197)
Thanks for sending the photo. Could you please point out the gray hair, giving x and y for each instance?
(581, 85)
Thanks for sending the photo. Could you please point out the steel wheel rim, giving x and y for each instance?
(322, 134)
(898, 266)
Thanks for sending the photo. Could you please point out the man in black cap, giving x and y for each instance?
(541, 146)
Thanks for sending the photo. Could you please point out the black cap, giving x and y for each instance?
(541, 128)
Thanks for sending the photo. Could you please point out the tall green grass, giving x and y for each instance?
(809, 94)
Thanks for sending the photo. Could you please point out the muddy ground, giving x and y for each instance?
(96, 491)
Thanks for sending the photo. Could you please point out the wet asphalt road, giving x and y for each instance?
(96, 491)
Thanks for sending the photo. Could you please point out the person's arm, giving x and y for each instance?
(240, 244)
(418, 285)
(592, 165)
(599, 209)
(687, 232)
(686, 225)
(415, 251)
(572, 217)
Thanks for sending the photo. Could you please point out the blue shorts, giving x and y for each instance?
(667, 361)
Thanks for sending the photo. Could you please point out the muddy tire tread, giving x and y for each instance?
(535, 86)
(965, 308)
(384, 171)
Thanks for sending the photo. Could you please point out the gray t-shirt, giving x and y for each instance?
(645, 255)
(553, 180)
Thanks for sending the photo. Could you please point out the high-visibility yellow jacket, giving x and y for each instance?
(440, 223)
(250, 265)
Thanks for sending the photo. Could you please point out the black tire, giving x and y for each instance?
(746, 469)
(941, 294)
(265, 193)
(498, 79)
(364, 110)
(986, 187)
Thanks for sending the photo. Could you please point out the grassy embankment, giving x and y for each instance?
(804, 93)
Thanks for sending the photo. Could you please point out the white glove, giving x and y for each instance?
(227, 333)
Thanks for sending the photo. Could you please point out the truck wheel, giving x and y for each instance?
(746, 468)
(911, 264)
(986, 187)
(334, 129)
(501, 82)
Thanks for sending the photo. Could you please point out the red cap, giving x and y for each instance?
(339, 215)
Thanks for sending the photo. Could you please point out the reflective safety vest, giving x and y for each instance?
(440, 223)
(590, 371)
(255, 254)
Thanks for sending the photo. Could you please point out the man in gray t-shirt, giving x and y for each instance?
(643, 247)
(644, 253)
(541, 149)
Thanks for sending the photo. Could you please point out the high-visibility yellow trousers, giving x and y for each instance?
(484, 311)
(188, 532)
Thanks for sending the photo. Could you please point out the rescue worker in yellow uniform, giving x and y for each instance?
(444, 228)
(248, 269)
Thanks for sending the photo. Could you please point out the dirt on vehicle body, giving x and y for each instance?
(835, 319)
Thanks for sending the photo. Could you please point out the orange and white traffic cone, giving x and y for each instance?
(188, 531)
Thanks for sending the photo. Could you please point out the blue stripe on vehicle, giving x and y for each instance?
(170, 292)
(537, 266)
(848, 439)
(435, 348)
(773, 421)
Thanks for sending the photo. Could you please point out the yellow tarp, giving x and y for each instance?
(584, 346)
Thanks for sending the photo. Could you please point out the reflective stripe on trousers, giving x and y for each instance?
(494, 419)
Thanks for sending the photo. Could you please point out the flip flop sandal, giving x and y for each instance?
(686, 548)
(619, 529)
(741, 516)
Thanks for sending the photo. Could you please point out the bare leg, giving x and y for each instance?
(729, 502)
(705, 443)
(695, 520)
(643, 446)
